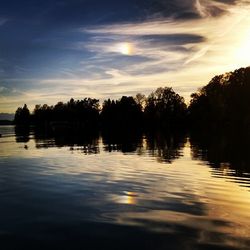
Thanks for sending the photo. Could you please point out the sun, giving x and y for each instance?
(242, 54)
(125, 48)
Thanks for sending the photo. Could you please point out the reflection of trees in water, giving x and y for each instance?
(124, 141)
(166, 147)
(223, 150)
(22, 133)
(87, 143)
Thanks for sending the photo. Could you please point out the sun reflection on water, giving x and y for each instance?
(127, 197)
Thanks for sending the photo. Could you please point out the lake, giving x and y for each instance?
(123, 192)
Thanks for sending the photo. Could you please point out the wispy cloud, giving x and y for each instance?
(175, 48)
(165, 49)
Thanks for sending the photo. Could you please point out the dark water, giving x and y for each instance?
(123, 192)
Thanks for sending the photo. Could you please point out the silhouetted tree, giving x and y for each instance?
(42, 114)
(165, 109)
(125, 113)
(73, 114)
(223, 103)
(140, 99)
(22, 116)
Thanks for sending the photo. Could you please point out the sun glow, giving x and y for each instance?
(125, 48)
(243, 53)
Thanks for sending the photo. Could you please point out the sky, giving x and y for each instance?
(51, 51)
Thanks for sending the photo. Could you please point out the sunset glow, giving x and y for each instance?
(119, 54)
(242, 53)
(125, 48)
(125, 124)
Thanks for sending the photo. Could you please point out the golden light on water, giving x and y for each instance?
(128, 198)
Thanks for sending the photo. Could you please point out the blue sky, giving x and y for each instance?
(51, 51)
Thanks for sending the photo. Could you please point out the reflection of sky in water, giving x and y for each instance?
(55, 184)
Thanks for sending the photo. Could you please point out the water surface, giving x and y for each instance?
(126, 192)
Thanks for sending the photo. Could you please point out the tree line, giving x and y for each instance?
(223, 103)
(162, 108)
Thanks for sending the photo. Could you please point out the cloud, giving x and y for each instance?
(198, 54)
(188, 9)
(178, 43)
(172, 39)
(174, 51)
(209, 8)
